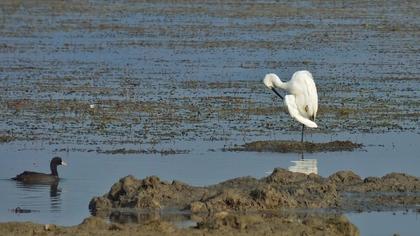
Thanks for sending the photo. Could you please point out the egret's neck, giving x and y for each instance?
(279, 84)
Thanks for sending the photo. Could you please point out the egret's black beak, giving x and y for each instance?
(278, 94)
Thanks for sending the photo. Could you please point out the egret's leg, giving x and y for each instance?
(301, 138)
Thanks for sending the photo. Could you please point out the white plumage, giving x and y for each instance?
(302, 98)
(294, 112)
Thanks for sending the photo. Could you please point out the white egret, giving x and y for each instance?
(302, 98)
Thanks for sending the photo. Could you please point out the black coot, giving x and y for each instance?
(36, 177)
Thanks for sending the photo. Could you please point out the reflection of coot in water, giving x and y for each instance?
(55, 200)
(36, 177)
(35, 195)
(54, 190)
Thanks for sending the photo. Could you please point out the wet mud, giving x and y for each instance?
(296, 146)
(226, 224)
(281, 189)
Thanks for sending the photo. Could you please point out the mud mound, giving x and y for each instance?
(295, 146)
(148, 193)
(279, 190)
(282, 189)
(379, 193)
(392, 183)
(274, 223)
(219, 224)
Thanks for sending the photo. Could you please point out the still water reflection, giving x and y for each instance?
(180, 219)
(306, 166)
(35, 196)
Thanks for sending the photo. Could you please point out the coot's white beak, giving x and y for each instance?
(63, 163)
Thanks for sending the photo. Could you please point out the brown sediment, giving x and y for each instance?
(296, 146)
(218, 224)
(282, 189)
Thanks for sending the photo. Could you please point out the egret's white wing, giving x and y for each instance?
(305, 90)
(290, 102)
(312, 98)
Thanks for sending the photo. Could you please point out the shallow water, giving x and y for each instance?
(187, 77)
(386, 223)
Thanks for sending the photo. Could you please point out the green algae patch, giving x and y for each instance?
(285, 146)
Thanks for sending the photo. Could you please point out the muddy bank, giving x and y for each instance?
(282, 189)
(226, 224)
(295, 146)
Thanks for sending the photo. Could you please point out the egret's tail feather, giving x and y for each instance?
(290, 102)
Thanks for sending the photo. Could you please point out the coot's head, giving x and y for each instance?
(56, 161)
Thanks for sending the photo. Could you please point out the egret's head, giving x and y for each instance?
(269, 80)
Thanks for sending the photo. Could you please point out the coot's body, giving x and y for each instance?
(36, 177)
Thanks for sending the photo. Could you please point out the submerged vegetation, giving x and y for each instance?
(222, 111)
(196, 76)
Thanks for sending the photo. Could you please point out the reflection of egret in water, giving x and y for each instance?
(35, 196)
(306, 166)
